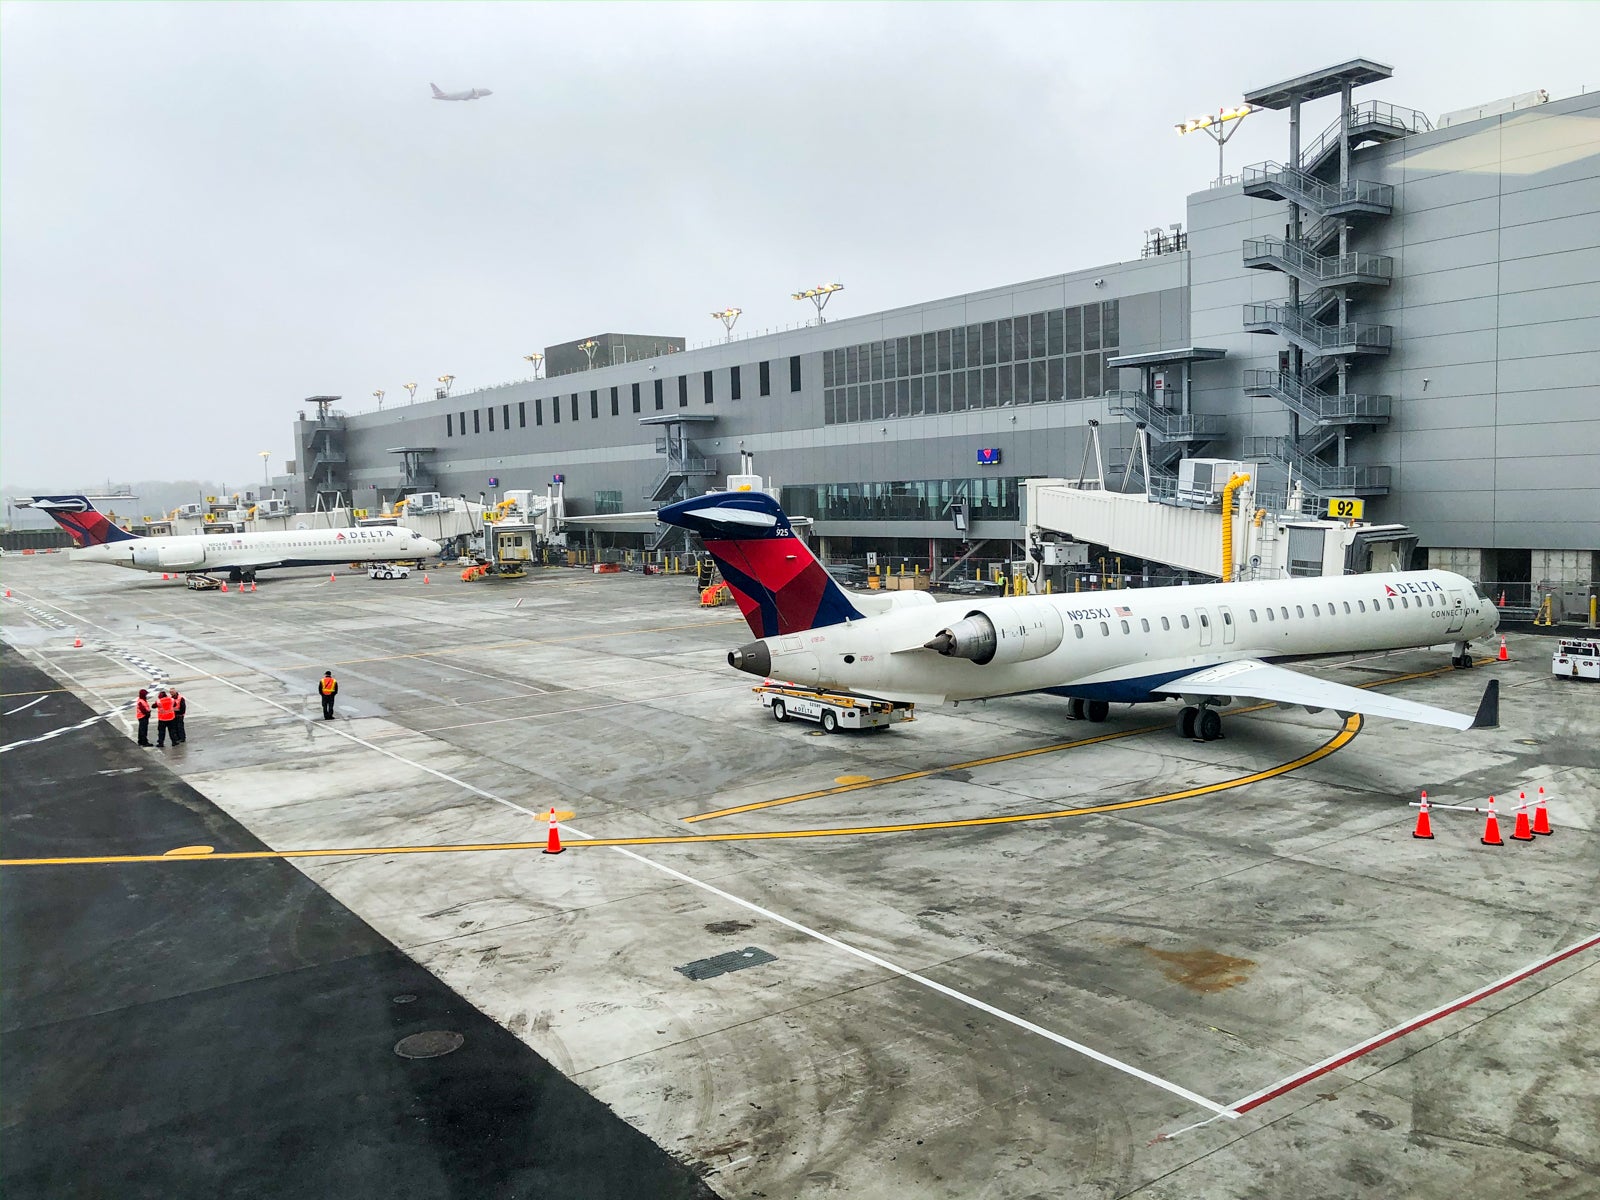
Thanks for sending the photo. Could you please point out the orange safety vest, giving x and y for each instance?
(166, 707)
(141, 708)
(328, 686)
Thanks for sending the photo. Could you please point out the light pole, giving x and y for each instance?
(412, 389)
(379, 395)
(589, 348)
(265, 471)
(535, 359)
(729, 317)
(1219, 128)
(819, 296)
(444, 392)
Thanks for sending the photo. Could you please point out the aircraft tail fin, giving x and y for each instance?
(776, 580)
(79, 518)
(437, 94)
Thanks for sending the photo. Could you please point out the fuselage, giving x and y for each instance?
(251, 551)
(1119, 645)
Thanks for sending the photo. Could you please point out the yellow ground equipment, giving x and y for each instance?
(715, 595)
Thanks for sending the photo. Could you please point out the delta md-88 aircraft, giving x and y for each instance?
(1204, 644)
(240, 554)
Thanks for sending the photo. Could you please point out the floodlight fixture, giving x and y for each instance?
(1219, 126)
(379, 395)
(728, 317)
(588, 348)
(819, 296)
(412, 389)
(447, 380)
(535, 359)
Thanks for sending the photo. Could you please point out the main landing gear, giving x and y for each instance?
(1199, 723)
(1461, 659)
(1088, 710)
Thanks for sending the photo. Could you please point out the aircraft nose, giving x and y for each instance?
(756, 658)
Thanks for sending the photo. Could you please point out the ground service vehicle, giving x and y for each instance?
(388, 571)
(1576, 658)
(832, 711)
(201, 583)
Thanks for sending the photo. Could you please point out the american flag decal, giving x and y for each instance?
(1123, 612)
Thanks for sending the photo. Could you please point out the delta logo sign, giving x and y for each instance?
(364, 535)
(1414, 589)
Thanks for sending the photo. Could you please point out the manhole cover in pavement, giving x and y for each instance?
(429, 1045)
(721, 964)
(404, 998)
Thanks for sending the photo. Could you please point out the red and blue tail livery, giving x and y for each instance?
(778, 583)
(80, 519)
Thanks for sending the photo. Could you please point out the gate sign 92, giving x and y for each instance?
(1344, 508)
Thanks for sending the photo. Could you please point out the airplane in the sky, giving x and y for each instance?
(240, 554)
(1205, 644)
(469, 94)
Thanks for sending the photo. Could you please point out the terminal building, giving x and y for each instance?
(1404, 310)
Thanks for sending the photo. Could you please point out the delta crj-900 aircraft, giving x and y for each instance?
(1204, 644)
(240, 554)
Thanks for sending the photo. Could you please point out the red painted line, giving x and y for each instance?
(1344, 1057)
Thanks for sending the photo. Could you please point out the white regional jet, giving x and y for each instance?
(240, 554)
(469, 94)
(1205, 644)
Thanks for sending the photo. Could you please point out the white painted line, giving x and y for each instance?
(29, 704)
(866, 956)
(562, 712)
(1334, 1061)
(55, 733)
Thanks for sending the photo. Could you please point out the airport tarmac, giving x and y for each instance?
(1237, 975)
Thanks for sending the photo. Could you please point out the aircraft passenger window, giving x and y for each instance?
(1315, 611)
(1391, 603)
(1284, 609)
(1144, 624)
(1125, 628)
(1205, 622)
(1185, 621)
(1405, 602)
(1078, 629)
(1362, 605)
(1105, 630)
(1227, 617)
(1300, 611)
(1347, 608)
(1270, 617)
(1166, 624)
(1254, 620)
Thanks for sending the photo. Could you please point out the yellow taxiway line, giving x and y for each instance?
(1338, 741)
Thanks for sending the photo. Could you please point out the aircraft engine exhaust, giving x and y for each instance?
(756, 658)
(1024, 630)
(973, 637)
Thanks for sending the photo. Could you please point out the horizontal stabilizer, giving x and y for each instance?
(1259, 681)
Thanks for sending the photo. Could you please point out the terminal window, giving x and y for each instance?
(522, 414)
(449, 425)
(766, 378)
(614, 409)
(794, 373)
(476, 427)
(987, 498)
(505, 416)
(636, 397)
(555, 410)
(683, 391)
(1058, 354)
(574, 406)
(706, 381)
(491, 418)
(659, 402)
(594, 404)
(733, 383)
(538, 410)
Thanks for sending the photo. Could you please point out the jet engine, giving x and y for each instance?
(165, 558)
(1014, 632)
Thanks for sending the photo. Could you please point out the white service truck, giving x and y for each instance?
(830, 709)
(1576, 658)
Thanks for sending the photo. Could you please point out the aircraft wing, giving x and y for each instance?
(1261, 681)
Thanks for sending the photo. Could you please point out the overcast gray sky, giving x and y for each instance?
(210, 211)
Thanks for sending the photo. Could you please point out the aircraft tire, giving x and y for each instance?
(830, 723)
(779, 712)
(1075, 709)
(1209, 725)
(1186, 720)
(1096, 710)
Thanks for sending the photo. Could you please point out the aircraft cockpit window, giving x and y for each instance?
(1482, 593)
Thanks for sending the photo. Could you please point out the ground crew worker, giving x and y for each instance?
(141, 709)
(329, 687)
(180, 706)
(166, 710)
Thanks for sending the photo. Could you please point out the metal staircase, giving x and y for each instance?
(1274, 181)
(1318, 477)
(1373, 121)
(1176, 435)
(1289, 321)
(1317, 270)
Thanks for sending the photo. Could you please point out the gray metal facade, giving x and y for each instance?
(1494, 433)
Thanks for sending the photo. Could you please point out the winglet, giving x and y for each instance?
(1488, 708)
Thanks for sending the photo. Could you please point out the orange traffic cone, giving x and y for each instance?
(1504, 657)
(252, 585)
(224, 585)
(1491, 828)
(1522, 833)
(1424, 827)
(424, 577)
(552, 843)
(1541, 819)
(77, 643)
(331, 576)
(1502, 599)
